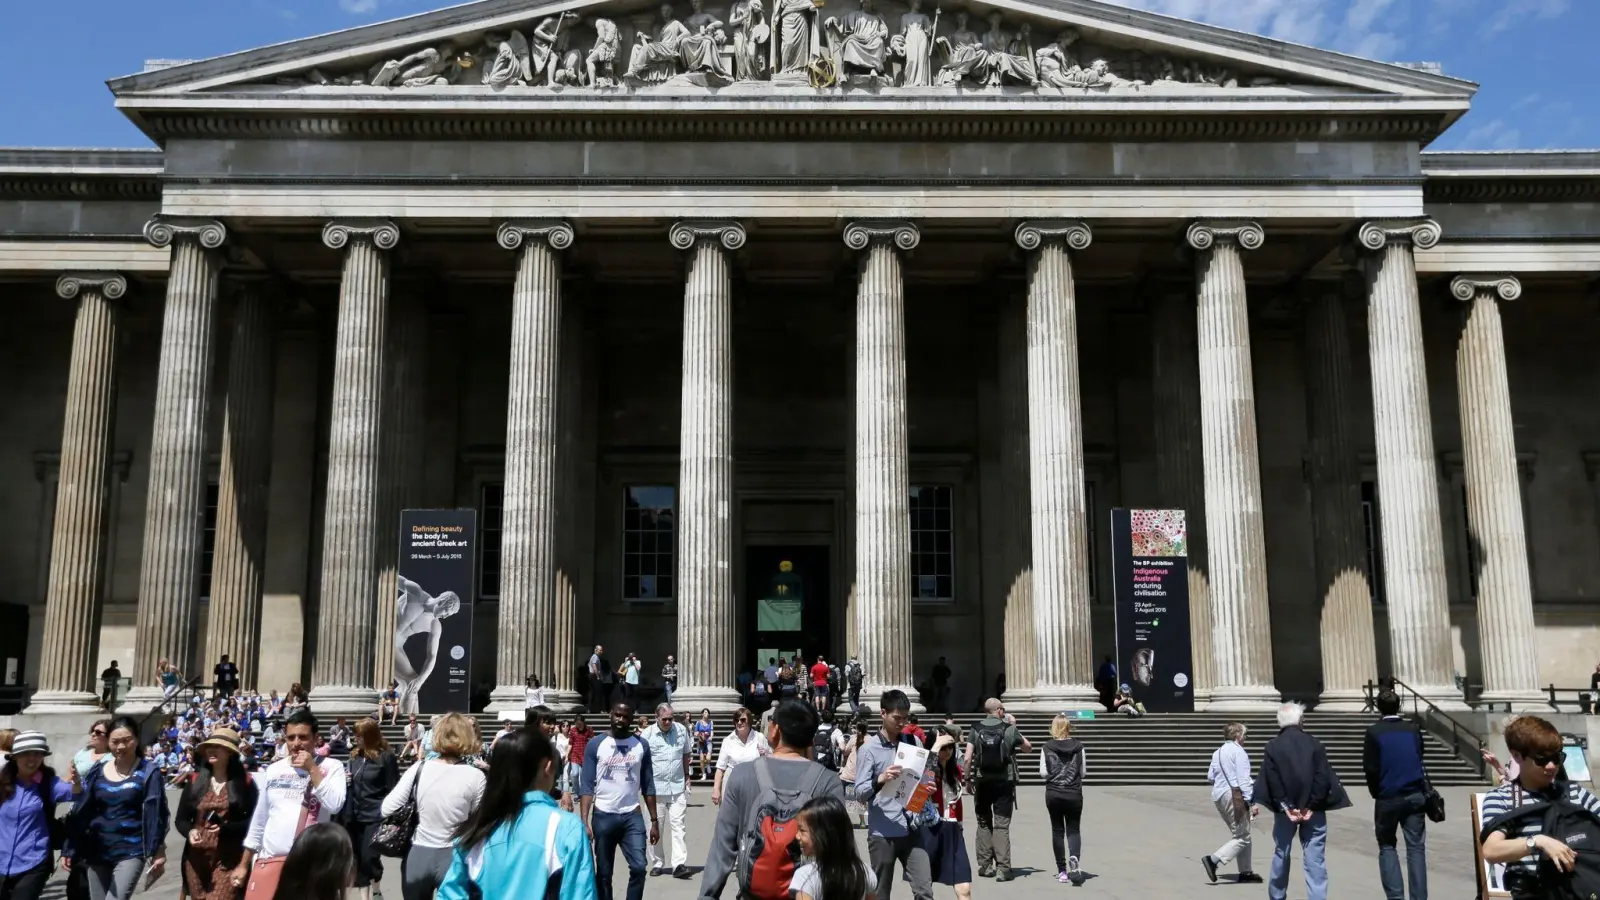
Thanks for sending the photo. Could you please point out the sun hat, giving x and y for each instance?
(222, 736)
(30, 742)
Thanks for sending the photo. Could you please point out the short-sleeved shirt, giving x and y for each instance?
(734, 751)
(808, 880)
(633, 671)
(819, 674)
(1013, 738)
(1509, 796)
(579, 740)
(667, 749)
(116, 828)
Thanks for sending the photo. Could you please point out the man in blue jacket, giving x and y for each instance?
(1299, 786)
(1396, 779)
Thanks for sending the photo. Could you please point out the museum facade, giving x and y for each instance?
(831, 332)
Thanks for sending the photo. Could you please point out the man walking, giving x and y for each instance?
(618, 776)
(1391, 757)
(1300, 787)
(225, 677)
(669, 676)
(854, 675)
(669, 753)
(996, 742)
(819, 683)
(297, 790)
(890, 836)
(787, 773)
(109, 681)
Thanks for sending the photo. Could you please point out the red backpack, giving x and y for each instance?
(767, 850)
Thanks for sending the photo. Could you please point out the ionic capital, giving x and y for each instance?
(383, 234)
(162, 230)
(1204, 234)
(110, 284)
(1467, 288)
(1379, 233)
(557, 233)
(1034, 234)
(902, 235)
(686, 234)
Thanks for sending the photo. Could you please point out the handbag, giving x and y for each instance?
(394, 834)
(266, 873)
(1432, 800)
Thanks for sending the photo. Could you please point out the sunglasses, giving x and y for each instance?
(97, 732)
(1543, 761)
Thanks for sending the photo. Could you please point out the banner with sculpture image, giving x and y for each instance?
(433, 617)
(1150, 573)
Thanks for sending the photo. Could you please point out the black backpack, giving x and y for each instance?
(993, 756)
(1571, 824)
(855, 676)
(822, 749)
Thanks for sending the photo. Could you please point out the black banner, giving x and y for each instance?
(433, 621)
(1150, 571)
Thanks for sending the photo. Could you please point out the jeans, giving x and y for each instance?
(667, 686)
(610, 830)
(995, 801)
(1066, 813)
(911, 852)
(26, 885)
(1403, 813)
(1237, 847)
(422, 871)
(673, 807)
(113, 881)
(1314, 838)
(855, 698)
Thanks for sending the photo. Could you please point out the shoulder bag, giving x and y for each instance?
(265, 873)
(1432, 800)
(394, 834)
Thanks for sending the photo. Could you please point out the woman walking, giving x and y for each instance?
(742, 746)
(519, 843)
(370, 774)
(213, 816)
(533, 693)
(847, 772)
(167, 675)
(319, 866)
(120, 819)
(1231, 791)
(704, 732)
(1061, 765)
(98, 747)
(832, 868)
(29, 792)
(447, 790)
(947, 856)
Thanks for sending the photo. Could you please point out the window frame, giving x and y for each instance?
(950, 529)
(624, 554)
(484, 530)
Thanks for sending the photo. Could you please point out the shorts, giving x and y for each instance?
(820, 691)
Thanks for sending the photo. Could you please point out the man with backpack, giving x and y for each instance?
(996, 744)
(1542, 825)
(823, 746)
(854, 675)
(755, 830)
(1391, 757)
(893, 834)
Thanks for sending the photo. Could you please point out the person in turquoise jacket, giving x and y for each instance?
(519, 843)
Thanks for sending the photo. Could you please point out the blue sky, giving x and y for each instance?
(1533, 58)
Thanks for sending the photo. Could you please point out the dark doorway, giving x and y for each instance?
(787, 609)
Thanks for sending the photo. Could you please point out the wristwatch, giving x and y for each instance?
(1533, 845)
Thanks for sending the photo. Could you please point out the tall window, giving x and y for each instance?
(1369, 521)
(649, 526)
(932, 543)
(491, 511)
(208, 539)
(1089, 539)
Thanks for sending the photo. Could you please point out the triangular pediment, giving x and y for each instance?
(603, 49)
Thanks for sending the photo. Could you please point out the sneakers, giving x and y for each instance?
(1211, 868)
(1249, 878)
(681, 873)
(986, 871)
(1001, 875)
(1063, 878)
(1074, 871)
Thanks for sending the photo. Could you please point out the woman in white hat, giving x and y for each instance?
(213, 816)
(29, 792)
(119, 824)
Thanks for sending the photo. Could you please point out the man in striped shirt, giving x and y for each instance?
(1536, 746)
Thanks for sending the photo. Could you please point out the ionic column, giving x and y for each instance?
(1063, 659)
(708, 636)
(1180, 467)
(1016, 534)
(169, 568)
(341, 682)
(1349, 649)
(883, 529)
(528, 537)
(571, 500)
(1494, 495)
(400, 474)
(234, 626)
(1408, 481)
(1236, 544)
(83, 494)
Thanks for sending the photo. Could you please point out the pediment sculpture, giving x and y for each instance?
(796, 46)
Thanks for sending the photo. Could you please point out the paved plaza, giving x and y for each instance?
(1139, 843)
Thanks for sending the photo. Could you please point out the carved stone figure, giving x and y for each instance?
(859, 42)
(794, 33)
(1097, 75)
(569, 70)
(964, 55)
(750, 35)
(701, 51)
(601, 63)
(546, 45)
(1055, 59)
(915, 44)
(510, 64)
(431, 65)
(654, 60)
(1008, 58)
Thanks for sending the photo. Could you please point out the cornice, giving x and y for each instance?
(132, 186)
(1493, 188)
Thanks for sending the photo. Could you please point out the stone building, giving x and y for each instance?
(672, 304)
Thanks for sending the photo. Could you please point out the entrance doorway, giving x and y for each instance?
(787, 606)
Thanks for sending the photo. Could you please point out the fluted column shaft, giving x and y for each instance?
(527, 537)
(234, 624)
(83, 493)
(1180, 467)
(1016, 534)
(1408, 481)
(884, 626)
(1349, 649)
(169, 570)
(707, 625)
(1236, 543)
(347, 611)
(561, 690)
(403, 439)
(1494, 495)
(1063, 664)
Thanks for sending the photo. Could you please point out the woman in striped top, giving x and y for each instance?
(1535, 746)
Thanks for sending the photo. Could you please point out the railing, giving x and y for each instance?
(1581, 698)
(1464, 742)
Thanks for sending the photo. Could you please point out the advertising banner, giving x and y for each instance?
(433, 620)
(1150, 571)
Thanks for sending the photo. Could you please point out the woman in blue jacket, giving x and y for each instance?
(120, 820)
(29, 792)
(519, 843)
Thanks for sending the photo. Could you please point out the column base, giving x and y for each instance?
(1245, 698)
(871, 694)
(1529, 701)
(1352, 700)
(1202, 700)
(563, 701)
(64, 703)
(1017, 697)
(693, 699)
(142, 700)
(343, 700)
(1057, 698)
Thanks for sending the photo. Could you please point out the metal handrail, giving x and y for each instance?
(1459, 734)
(1577, 692)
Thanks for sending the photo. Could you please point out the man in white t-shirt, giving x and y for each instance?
(618, 775)
(295, 792)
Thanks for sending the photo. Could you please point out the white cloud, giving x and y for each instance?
(1512, 12)
(1370, 28)
(358, 7)
(1494, 134)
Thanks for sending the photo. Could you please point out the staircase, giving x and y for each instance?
(1159, 749)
